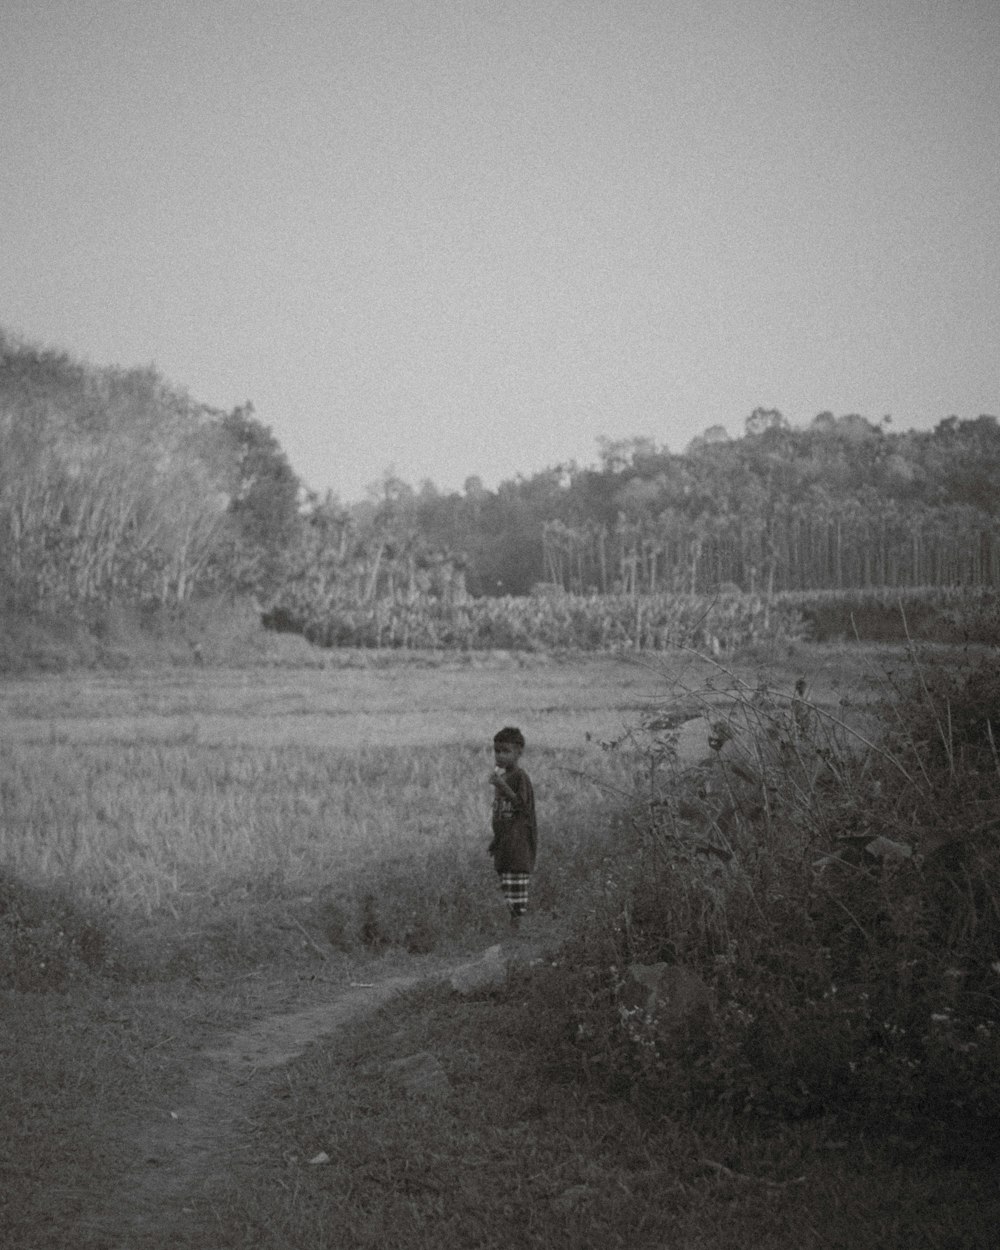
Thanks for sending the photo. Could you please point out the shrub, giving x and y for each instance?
(838, 891)
(947, 614)
(217, 629)
(546, 621)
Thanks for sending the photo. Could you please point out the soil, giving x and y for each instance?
(174, 1153)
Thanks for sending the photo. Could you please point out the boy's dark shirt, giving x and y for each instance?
(515, 831)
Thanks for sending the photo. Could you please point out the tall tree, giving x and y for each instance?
(263, 504)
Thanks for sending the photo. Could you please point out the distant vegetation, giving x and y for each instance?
(119, 490)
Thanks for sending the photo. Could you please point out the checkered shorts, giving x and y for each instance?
(515, 891)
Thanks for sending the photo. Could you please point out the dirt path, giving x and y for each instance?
(160, 1199)
(174, 1153)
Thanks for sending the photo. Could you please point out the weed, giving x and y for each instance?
(836, 885)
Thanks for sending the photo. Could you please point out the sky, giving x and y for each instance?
(455, 238)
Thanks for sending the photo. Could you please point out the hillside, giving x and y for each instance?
(116, 487)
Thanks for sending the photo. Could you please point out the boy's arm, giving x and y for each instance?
(520, 792)
(501, 784)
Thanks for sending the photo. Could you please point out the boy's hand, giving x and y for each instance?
(496, 777)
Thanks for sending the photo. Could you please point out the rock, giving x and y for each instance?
(421, 1073)
(854, 848)
(573, 1197)
(489, 971)
(885, 848)
(657, 1000)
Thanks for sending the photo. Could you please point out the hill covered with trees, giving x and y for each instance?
(116, 486)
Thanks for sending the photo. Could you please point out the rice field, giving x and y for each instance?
(404, 702)
(346, 805)
(344, 802)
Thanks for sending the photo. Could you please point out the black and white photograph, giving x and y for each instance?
(500, 624)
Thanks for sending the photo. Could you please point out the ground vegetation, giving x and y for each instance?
(118, 490)
(186, 856)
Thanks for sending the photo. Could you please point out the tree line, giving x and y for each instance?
(116, 485)
(841, 504)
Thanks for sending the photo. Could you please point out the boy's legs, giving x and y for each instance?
(515, 891)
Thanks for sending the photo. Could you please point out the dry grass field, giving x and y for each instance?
(169, 794)
(182, 798)
(196, 850)
(406, 703)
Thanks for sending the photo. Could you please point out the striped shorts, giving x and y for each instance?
(515, 891)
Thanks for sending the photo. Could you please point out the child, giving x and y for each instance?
(515, 832)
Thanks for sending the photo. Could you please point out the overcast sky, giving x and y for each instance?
(463, 237)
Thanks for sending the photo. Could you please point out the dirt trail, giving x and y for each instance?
(160, 1200)
(175, 1151)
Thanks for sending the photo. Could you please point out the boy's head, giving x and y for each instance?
(507, 746)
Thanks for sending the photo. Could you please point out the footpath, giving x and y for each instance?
(174, 1153)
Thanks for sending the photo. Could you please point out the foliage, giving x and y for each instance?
(210, 629)
(726, 622)
(842, 503)
(104, 488)
(545, 622)
(948, 614)
(838, 889)
(116, 486)
(357, 560)
(262, 518)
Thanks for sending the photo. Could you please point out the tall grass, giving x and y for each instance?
(227, 847)
(835, 885)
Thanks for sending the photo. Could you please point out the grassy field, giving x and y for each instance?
(208, 806)
(182, 850)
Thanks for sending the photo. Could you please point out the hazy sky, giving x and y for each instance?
(467, 237)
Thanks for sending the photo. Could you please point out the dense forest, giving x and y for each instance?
(116, 486)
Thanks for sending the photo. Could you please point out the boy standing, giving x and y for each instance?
(515, 832)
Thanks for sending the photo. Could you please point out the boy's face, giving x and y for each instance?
(506, 754)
